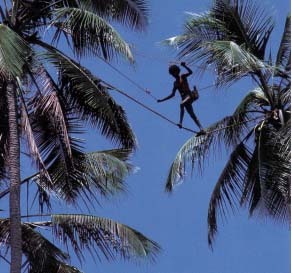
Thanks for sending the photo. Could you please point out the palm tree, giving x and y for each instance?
(48, 112)
(232, 36)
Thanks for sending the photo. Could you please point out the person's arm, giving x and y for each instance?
(169, 96)
(190, 72)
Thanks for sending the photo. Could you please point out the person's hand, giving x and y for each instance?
(183, 64)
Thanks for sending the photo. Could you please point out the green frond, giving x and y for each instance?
(107, 170)
(252, 100)
(131, 13)
(252, 192)
(246, 23)
(228, 189)
(284, 53)
(275, 169)
(14, 52)
(232, 61)
(65, 268)
(90, 33)
(42, 256)
(234, 22)
(103, 172)
(197, 149)
(27, 131)
(102, 236)
(90, 100)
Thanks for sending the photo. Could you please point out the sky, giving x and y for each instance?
(178, 222)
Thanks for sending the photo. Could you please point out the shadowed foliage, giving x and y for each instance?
(233, 36)
(47, 101)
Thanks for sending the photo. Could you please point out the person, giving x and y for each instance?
(181, 84)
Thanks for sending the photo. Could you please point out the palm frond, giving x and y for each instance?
(228, 189)
(31, 142)
(197, 149)
(131, 13)
(106, 170)
(274, 170)
(42, 256)
(90, 33)
(102, 236)
(103, 172)
(252, 192)
(90, 100)
(51, 103)
(284, 52)
(232, 61)
(241, 23)
(246, 22)
(14, 52)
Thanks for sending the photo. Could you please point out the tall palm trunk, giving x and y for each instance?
(14, 175)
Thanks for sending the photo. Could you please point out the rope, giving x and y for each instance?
(145, 90)
(149, 93)
(129, 79)
(166, 118)
(147, 107)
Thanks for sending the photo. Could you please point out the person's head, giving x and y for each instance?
(174, 70)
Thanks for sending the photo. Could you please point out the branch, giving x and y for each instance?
(7, 191)
(2, 257)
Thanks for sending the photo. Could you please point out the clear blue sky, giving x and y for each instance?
(179, 222)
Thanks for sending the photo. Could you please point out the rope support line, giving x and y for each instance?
(147, 107)
(169, 120)
(145, 90)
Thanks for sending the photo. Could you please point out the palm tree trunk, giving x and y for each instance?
(14, 175)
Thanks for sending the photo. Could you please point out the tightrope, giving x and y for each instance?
(166, 118)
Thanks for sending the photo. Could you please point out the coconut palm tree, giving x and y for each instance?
(47, 97)
(232, 36)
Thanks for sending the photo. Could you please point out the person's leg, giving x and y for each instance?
(190, 110)
(181, 115)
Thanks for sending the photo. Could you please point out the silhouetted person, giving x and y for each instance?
(188, 97)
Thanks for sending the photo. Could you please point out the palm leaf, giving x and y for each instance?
(42, 256)
(102, 236)
(231, 60)
(228, 189)
(14, 52)
(246, 22)
(230, 23)
(103, 172)
(106, 170)
(252, 193)
(131, 13)
(197, 149)
(29, 134)
(90, 33)
(274, 169)
(90, 100)
(283, 56)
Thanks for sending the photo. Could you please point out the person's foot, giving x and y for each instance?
(179, 125)
(202, 132)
